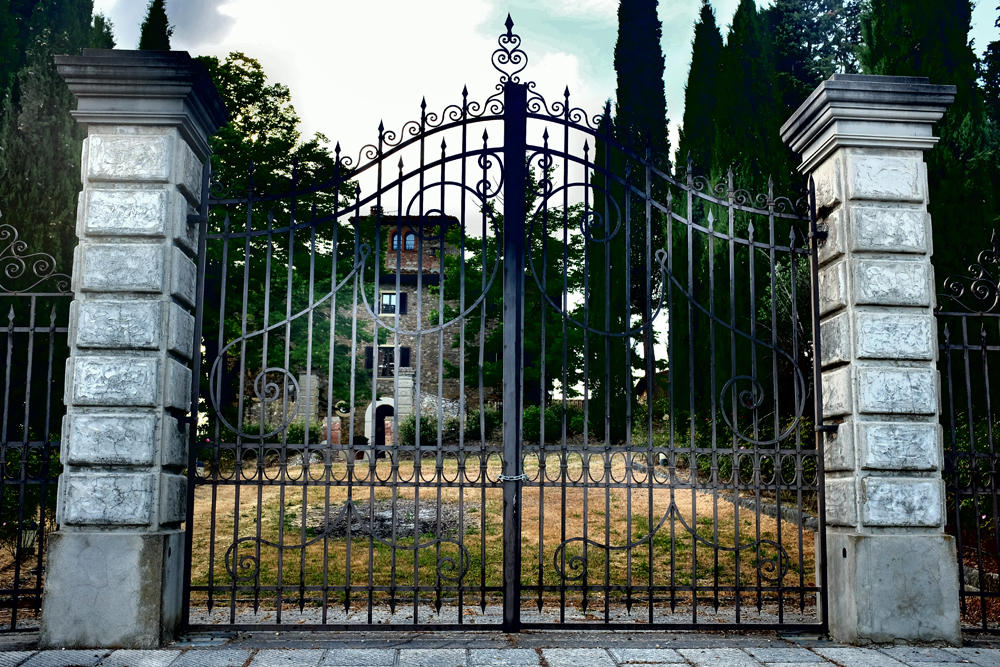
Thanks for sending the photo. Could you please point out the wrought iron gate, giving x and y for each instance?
(969, 331)
(35, 299)
(504, 370)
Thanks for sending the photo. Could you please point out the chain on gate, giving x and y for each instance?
(504, 370)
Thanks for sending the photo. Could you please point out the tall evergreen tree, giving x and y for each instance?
(156, 29)
(990, 74)
(749, 107)
(39, 140)
(931, 38)
(697, 134)
(102, 35)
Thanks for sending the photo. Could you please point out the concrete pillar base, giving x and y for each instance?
(892, 587)
(112, 589)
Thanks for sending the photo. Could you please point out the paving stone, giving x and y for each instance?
(857, 657)
(718, 656)
(654, 656)
(359, 657)
(921, 654)
(576, 657)
(503, 656)
(227, 657)
(432, 657)
(274, 657)
(131, 658)
(13, 658)
(784, 655)
(64, 658)
(978, 656)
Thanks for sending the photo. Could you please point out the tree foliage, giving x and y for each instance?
(930, 38)
(156, 30)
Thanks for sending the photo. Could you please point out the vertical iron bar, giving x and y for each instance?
(515, 138)
(192, 424)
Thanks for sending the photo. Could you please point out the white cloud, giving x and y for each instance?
(587, 8)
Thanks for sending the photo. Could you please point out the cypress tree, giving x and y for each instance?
(697, 134)
(931, 38)
(102, 33)
(39, 140)
(156, 29)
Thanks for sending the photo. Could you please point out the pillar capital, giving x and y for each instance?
(159, 88)
(866, 111)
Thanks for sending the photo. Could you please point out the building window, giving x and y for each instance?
(411, 241)
(395, 241)
(389, 303)
(386, 359)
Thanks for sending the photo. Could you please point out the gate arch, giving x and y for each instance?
(555, 268)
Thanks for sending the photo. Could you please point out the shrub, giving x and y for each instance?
(531, 426)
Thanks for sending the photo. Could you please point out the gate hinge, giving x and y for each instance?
(827, 428)
(513, 478)
(196, 219)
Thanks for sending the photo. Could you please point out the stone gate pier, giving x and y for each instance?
(115, 568)
(891, 570)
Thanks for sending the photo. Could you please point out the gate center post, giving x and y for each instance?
(514, 212)
(891, 569)
(115, 567)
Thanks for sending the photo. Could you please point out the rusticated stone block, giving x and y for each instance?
(107, 498)
(124, 267)
(185, 233)
(835, 340)
(129, 212)
(895, 390)
(118, 324)
(828, 180)
(900, 501)
(832, 287)
(117, 157)
(175, 443)
(188, 172)
(183, 277)
(841, 502)
(112, 439)
(892, 283)
(172, 498)
(178, 393)
(884, 229)
(886, 177)
(837, 392)
(115, 381)
(892, 335)
(832, 246)
(899, 446)
(180, 331)
(838, 448)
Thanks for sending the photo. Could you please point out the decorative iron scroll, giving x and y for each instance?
(17, 264)
(772, 569)
(977, 292)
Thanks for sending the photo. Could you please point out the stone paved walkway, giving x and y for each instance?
(549, 649)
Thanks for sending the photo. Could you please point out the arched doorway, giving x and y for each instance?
(381, 413)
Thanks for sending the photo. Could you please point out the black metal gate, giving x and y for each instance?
(969, 331)
(504, 370)
(34, 299)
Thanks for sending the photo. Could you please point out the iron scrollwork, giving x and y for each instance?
(17, 264)
(573, 568)
(978, 292)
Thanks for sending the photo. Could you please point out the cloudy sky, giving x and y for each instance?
(351, 63)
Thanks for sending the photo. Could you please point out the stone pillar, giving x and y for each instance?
(115, 567)
(891, 570)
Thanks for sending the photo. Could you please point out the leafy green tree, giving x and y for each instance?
(697, 134)
(931, 38)
(259, 155)
(156, 29)
(990, 74)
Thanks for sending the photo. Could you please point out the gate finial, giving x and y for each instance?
(509, 59)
